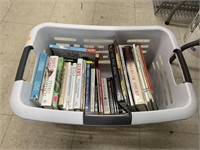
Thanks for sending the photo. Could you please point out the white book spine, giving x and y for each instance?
(140, 72)
(50, 81)
(72, 87)
(83, 87)
(68, 86)
(134, 82)
(105, 96)
(145, 87)
(126, 76)
(92, 90)
(79, 84)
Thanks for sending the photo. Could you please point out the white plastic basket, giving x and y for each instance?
(175, 102)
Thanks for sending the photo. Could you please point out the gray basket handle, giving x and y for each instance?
(183, 65)
(22, 63)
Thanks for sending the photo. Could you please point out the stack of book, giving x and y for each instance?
(70, 79)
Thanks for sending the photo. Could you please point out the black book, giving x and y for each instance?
(115, 73)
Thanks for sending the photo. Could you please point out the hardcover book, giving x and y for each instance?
(115, 73)
(105, 96)
(50, 82)
(36, 93)
(73, 87)
(63, 86)
(79, 84)
(57, 83)
(134, 79)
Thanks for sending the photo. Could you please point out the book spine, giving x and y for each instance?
(68, 86)
(38, 80)
(133, 76)
(142, 77)
(105, 96)
(126, 76)
(115, 103)
(115, 73)
(97, 105)
(145, 69)
(92, 91)
(79, 84)
(63, 86)
(84, 87)
(50, 82)
(110, 97)
(57, 83)
(72, 87)
(100, 92)
(87, 95)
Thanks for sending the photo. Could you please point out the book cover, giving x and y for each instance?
(39, 79)
(92, 91)
(50, 82)
(73, 52)
(57, 83)
(63, 86)
(72, 87)
(88, 85)
(105, 96)
(68, 86)
(134, 79)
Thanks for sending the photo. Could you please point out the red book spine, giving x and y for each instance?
(146, 71)
(100, 92)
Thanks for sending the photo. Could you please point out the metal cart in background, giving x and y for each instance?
(179, 11)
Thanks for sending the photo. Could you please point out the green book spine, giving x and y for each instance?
(57, 83)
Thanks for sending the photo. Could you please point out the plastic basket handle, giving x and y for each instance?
(22, 63)
(183, 65)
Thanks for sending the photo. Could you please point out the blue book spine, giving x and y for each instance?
(87, 93)
(35, 93)
(79, 49)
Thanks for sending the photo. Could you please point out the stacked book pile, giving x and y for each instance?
(70, 79)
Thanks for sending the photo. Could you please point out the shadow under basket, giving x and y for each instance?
(175, 101)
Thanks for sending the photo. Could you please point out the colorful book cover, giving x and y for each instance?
(39, 77)
(57, 86)
(50, 82)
